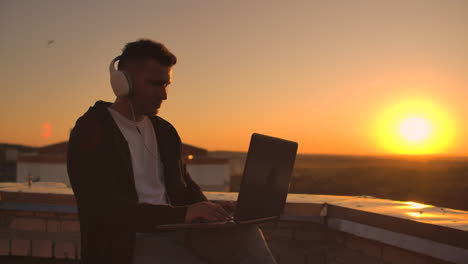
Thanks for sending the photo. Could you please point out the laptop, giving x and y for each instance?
(264, 186)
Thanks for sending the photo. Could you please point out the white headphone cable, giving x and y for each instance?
(147, 149)
(139, 132)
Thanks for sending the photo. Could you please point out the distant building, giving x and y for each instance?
(8, 156)
(48, 164)
(212, 174)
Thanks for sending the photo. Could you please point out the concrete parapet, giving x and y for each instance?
(313, 229)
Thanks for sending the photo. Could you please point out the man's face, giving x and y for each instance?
(150, 83)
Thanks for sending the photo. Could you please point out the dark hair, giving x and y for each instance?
(143, 49)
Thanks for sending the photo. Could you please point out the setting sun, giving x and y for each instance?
(415, 127)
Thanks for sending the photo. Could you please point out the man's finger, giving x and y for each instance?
(228, 206)
(231, 205)
(220, 217)
(220, 210)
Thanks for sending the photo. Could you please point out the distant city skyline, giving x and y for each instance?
(324, 74)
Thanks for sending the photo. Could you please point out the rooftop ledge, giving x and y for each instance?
(437, 232)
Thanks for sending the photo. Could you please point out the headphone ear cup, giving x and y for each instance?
(119, 84)
(129, 83)
(120, 81)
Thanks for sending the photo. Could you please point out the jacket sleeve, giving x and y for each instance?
(97, 198)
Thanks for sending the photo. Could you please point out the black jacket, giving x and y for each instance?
(101, 175)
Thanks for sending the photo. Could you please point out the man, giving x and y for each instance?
(126, 170)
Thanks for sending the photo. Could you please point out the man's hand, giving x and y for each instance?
(207, 211)
(229, 206)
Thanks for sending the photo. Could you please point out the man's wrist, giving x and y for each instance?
(177, 214)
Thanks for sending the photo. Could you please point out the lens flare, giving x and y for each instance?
(46, 130)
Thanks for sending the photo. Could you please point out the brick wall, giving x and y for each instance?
(33, 237)
(306, 243)
(26, 234)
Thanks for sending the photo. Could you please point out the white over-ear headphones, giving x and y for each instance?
(120, 80)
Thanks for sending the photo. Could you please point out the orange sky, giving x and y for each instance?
(318, 72)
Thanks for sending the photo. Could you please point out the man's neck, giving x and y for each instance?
(124, 107)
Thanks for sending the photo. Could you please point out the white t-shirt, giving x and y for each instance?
(147, 166)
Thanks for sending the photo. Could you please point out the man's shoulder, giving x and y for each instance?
(89, 129)
(161, 122)
(164, 127)
(90, 119)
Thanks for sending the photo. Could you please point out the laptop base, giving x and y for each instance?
(215, 225)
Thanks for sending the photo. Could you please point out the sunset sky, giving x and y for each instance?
(338, 77)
